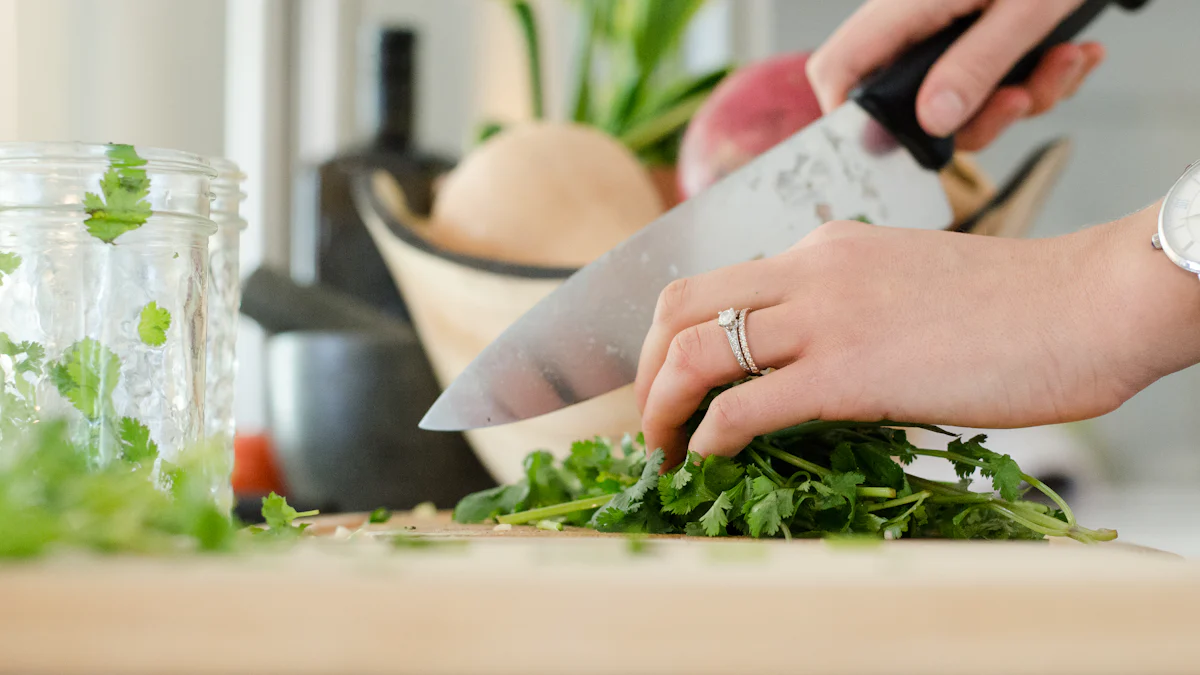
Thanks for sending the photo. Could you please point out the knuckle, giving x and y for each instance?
(975, 77)
(684, 355)
(833, 230)
(727, 411)
(672, 301)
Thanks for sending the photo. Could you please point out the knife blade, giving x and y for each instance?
(869, 158)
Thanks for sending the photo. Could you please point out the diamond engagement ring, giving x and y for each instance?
(749, 366)
(734, 323)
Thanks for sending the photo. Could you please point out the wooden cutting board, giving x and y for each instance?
(531, 601)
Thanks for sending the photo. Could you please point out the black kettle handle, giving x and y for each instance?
(890, 94)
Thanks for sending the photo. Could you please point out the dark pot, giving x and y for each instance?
(344, 408)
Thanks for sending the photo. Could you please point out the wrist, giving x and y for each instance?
(1153, 314)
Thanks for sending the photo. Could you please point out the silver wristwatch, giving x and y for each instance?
(1179, 221)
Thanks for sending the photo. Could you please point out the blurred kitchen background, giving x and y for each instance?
(291, 90)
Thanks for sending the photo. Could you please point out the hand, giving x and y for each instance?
(869, 323)
(959, 94)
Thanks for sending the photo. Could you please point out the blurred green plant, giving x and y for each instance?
(628, 82)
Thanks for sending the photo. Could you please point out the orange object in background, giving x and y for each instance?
(254, 469)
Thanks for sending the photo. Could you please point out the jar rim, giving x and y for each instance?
(227, 169)
(157, 159)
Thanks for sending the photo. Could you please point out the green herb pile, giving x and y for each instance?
(817, 479)
(51, 498)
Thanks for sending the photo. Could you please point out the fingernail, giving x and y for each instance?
(945, 113)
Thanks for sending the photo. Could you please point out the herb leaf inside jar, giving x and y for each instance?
(123, 206)
(9, 262)
(86, 375)
(154, 324)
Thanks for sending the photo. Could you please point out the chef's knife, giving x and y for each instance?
(869, 158)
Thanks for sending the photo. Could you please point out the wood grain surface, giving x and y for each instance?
(529, 601)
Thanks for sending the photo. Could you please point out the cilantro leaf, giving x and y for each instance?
(380, 515)
(546, 486)
(1006, 477)
(876, 467)
(1002, 469)
(589, 457)
(9, 262)
(153, 324)
(86, 375)
(843, 485)
(279, 517)
(486, 504)
(842, 458)
(769, 512)
(716, 518)
(616, 516)
(123, 206)
(721, 473)
(136, 446)
(684, 489)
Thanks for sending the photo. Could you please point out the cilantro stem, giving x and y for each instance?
(960, 499)
(1035, 483)
(522, 517)
(1012, 515)
(308, 514)
(921, 496)
(914, 497)
(1059, 501)
(766, 467)
(876, 492)
(870, 492)
(796, 461)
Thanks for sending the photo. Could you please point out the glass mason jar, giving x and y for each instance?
(103, 299)
(224, 301)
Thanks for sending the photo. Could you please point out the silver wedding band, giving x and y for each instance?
(734, 323)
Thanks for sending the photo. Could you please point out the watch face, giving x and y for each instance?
(1179, 222)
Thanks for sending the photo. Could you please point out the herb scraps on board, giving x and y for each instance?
(817, 479)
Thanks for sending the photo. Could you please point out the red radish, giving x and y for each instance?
(751, 111)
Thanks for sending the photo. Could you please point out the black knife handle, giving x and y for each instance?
(890, 94)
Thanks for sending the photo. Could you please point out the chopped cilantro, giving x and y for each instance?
(279, 517)
(136, 446)
(153, 324)
(86, 375)
(9, 262)
(122, 206)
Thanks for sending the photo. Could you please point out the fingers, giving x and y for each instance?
(1059, 69)
(1094, 54)
(1006, 106)
(695, 300)
(701, 358)
(964, 77)
(1057, 77)
(873, 36)
(763, 405)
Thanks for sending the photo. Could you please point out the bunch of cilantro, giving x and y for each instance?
(817, 479)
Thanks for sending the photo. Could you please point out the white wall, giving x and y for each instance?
(149, 72)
